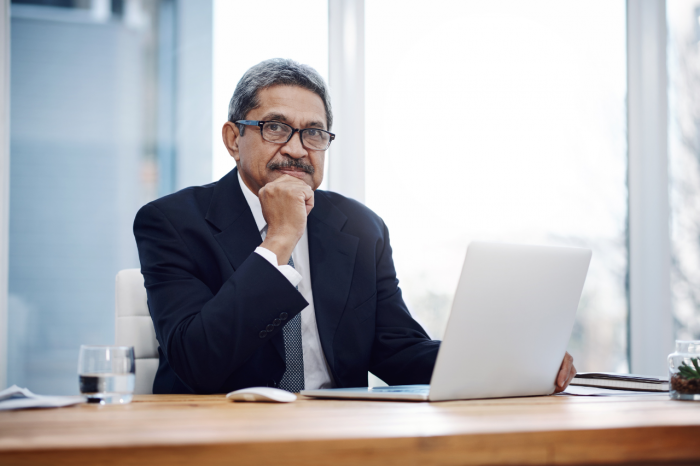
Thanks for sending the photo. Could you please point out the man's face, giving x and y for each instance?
(260, 161)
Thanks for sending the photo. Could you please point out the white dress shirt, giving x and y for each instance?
(316, 372)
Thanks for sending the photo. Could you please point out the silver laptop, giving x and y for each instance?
(511, 320)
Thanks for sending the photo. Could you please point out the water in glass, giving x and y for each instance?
(107, 374)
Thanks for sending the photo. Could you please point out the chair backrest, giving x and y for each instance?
(134, 327)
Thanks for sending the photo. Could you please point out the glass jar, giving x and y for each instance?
(684, 371)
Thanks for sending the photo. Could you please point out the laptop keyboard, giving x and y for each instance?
(420, 389)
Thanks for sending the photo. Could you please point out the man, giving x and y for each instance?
(260, 279)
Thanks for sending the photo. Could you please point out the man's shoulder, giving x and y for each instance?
(184, 203)
(347, 205)
(356, 212)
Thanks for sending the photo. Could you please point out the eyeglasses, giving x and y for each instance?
(281, 133)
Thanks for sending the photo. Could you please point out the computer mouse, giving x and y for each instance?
(262, 394)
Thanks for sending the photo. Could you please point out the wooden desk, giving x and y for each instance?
(209, 430)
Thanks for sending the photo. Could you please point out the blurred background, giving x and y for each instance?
(502, 120)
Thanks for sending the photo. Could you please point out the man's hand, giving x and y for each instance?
(567, 371)
(285, 202)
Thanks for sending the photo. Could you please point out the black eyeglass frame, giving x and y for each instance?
(261, 123)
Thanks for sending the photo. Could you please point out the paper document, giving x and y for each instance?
(21, 398)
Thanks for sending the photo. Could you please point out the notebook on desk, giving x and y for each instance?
(614, 381)
(511, 320)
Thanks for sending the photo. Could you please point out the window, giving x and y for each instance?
(83, 160)
(504, 121)
(684, 164)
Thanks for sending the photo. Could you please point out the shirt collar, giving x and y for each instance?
(254, 204)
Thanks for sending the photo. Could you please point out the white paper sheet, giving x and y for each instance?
(15, 397)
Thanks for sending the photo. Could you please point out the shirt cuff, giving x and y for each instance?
(288, 271)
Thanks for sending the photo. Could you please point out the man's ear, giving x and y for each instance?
(230, 135)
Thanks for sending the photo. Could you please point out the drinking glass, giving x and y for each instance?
(107, 373)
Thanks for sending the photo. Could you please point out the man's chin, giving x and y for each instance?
(302, 175)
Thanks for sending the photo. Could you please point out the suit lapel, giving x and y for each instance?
(228, 211)
(238, 233)
(332, 259)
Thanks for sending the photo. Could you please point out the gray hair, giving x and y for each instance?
(276, 71)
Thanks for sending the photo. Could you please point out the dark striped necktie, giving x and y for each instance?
(293, 378)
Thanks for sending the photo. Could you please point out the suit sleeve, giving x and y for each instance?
(402, 353)
(207, 335)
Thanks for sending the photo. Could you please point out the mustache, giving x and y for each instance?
(291, 163)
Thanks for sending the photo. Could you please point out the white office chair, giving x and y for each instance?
(134, 327)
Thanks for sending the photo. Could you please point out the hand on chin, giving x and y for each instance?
(286, 201)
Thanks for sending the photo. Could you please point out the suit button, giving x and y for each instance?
(263, 334)
(276, 322)
(283, 316)
(270, 328)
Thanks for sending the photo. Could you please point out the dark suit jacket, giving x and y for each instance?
(215, 303)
